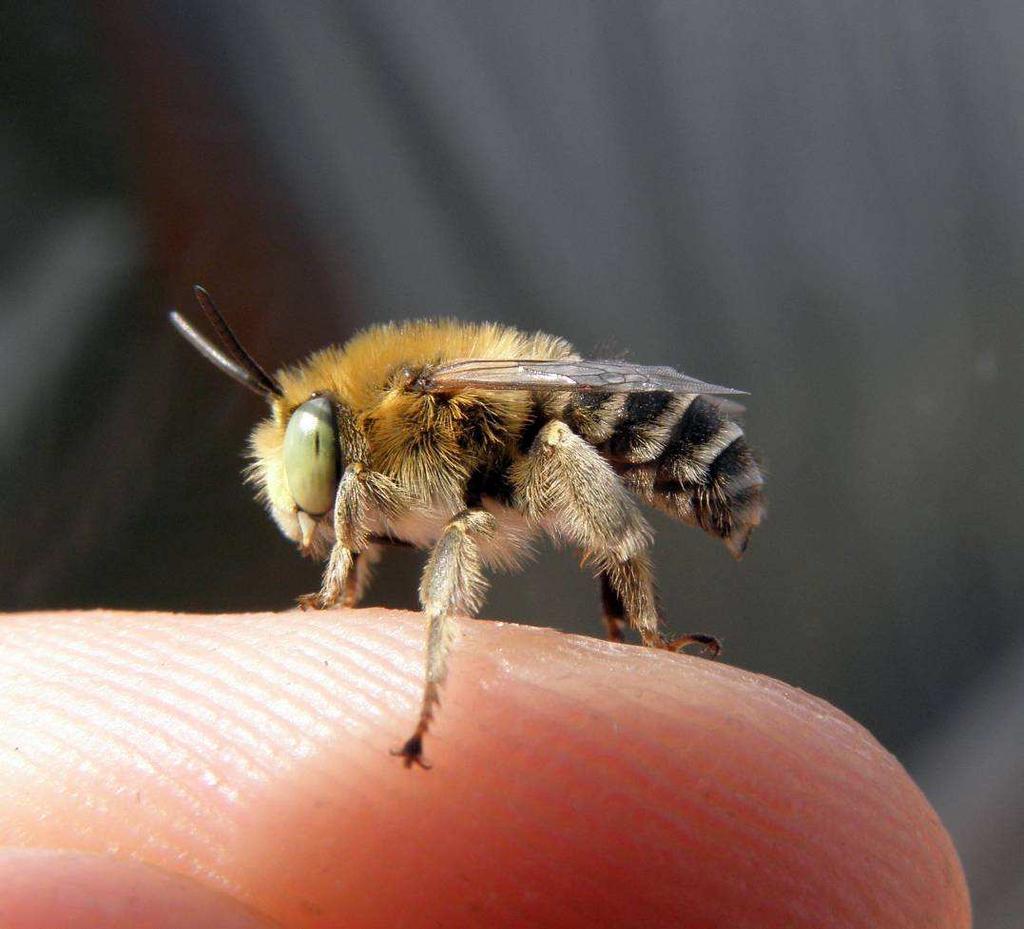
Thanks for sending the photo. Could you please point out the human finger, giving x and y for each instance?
(574, 782)
(45, 889)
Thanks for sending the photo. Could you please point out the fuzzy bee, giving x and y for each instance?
(469, 439)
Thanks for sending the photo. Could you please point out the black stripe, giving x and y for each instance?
(742, 499)
(640, 413)
(733, 462)
(491, 480)
(583, 410)
(611, 602)
(701, 422)
(589, 400)
(536, 419)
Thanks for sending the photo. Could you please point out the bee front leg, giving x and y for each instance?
(340, 578)
(361, 492)
(452, 583)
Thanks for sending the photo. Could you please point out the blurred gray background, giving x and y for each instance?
(823, 204)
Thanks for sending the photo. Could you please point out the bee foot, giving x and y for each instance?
(710, 646)
(412, 753)
(314, 601)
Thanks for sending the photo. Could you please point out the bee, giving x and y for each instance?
(469, 440)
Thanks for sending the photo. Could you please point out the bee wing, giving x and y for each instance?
(563, 374)
(729, 408)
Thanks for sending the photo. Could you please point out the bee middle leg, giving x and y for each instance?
(453, 582)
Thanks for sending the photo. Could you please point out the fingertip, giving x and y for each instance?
(574, 782)
(760, 804)
(44, 889)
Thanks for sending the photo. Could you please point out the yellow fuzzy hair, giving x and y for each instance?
(357, 372)
(413, 438)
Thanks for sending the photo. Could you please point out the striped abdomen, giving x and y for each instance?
(681, 453)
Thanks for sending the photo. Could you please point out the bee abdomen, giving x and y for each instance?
(697, 467)
(626, 427)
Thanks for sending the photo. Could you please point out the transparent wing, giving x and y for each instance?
(563, 374)
(729, 408)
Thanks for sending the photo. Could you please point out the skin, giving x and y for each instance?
(233, 771)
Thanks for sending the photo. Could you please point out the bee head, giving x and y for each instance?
(296, 453)
(297, 460)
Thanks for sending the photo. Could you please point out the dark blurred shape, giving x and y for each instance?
(822, 205)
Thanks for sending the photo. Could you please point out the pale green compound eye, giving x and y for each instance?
(311, 456)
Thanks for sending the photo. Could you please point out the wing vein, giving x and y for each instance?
(564, 374)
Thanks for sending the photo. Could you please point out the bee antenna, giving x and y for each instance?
(241, 365)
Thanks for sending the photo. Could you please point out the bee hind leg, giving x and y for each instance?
(709, 644)
(452, 583)
(612, 610)
(614, 613)
(564, 480)
(630, 586)
(565, 483)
